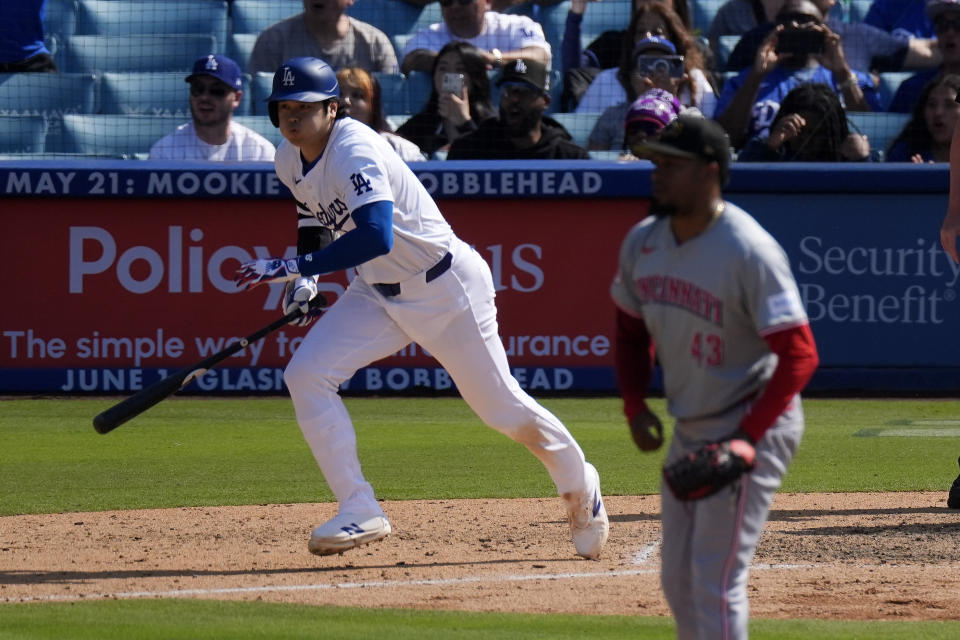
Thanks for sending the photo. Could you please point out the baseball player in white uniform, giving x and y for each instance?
(706, 288)
(416, 281)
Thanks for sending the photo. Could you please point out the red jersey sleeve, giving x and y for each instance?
(797, 359)
(634, 354)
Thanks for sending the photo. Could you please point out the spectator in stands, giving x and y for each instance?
(927, 136)
(737, 17)
(903, 18)
(22, 46)
(609, 130)
(645, 119)
(324, 31)
(865, 47)
(361, 99)
(656, 30)
(446, 116)
(810, 126)
(501, 37)
(212, 134)
(521, 131)
(945, 15)
(750, 100)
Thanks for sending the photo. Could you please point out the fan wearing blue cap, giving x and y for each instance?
(216, 89)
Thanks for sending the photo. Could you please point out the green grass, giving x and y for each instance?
(190, 451)
(201, 620)
(250, 451)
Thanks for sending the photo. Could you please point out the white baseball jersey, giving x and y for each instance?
(243, 145)
(500, 31)
(707, 304)
(359, 167)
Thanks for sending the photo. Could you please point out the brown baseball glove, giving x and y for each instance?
(709, 469)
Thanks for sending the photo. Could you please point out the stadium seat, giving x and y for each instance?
(889, 83)
(23, 134)
(553, 19)
(702, 13)
(47, 94)
(263, 126)
(240, 46)
(419, 87)
(60, 19)
(127, 17)
(395, 16)
(114, 136)
(880, 128)
(262, 87)
(609, 15)
(154, 93)
(393, 91)
(578, 124)
(725, 46)
(91, 54)
(253, 16)
(396, 120)
(858, 10)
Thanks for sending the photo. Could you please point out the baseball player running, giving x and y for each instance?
(416, 281)
(702, 285)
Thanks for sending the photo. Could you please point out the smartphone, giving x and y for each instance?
(670, 65)
(452, 83)
(801, 42)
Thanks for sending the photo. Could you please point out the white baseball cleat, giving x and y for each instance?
(589, 525)
(346, 531)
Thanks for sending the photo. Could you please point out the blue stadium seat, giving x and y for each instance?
(91, 54)
(262, 87)
(858, 10)
(889, 83)
(240, 46)
(263, 126)
(725, 46)
(702, 13)
(553, 19)
(114, 136)
(23, 134)
(880, 128)
(126, 17)
(47, 94)
(60, 19)
(253, 16)
(419, 87)
(393, 92)
(153, 93)
(609, 15)
(395, 16)
(578, 124)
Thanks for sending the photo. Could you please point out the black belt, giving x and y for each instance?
(389, 289)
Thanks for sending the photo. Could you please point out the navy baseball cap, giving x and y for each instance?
(220, 67)
(652, 44)
(696, 137)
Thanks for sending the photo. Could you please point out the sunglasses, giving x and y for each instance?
(449, 3)
(799, 18)
(215, 90)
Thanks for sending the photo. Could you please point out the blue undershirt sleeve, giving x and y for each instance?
(372, 237)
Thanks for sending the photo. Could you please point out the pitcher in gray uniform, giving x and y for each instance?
(702, 284)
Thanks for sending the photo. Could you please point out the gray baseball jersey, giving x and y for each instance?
(707, 304)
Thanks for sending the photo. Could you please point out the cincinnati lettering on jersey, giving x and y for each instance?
(680, 293)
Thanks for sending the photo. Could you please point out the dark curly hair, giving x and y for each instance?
(478, 82)
(826, 127)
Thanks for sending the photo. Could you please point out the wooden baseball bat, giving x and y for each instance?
(110, 419)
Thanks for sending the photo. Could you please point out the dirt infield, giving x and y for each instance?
(844, 556)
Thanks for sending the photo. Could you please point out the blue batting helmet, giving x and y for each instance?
(303, 80)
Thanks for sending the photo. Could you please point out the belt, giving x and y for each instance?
(389, 289)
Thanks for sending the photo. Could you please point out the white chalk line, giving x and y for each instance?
(429, 582)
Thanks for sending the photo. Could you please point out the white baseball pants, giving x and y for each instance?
(455, 319)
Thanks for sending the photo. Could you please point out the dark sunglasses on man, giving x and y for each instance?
(449, 3)
(216, 90)
(942, 23)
